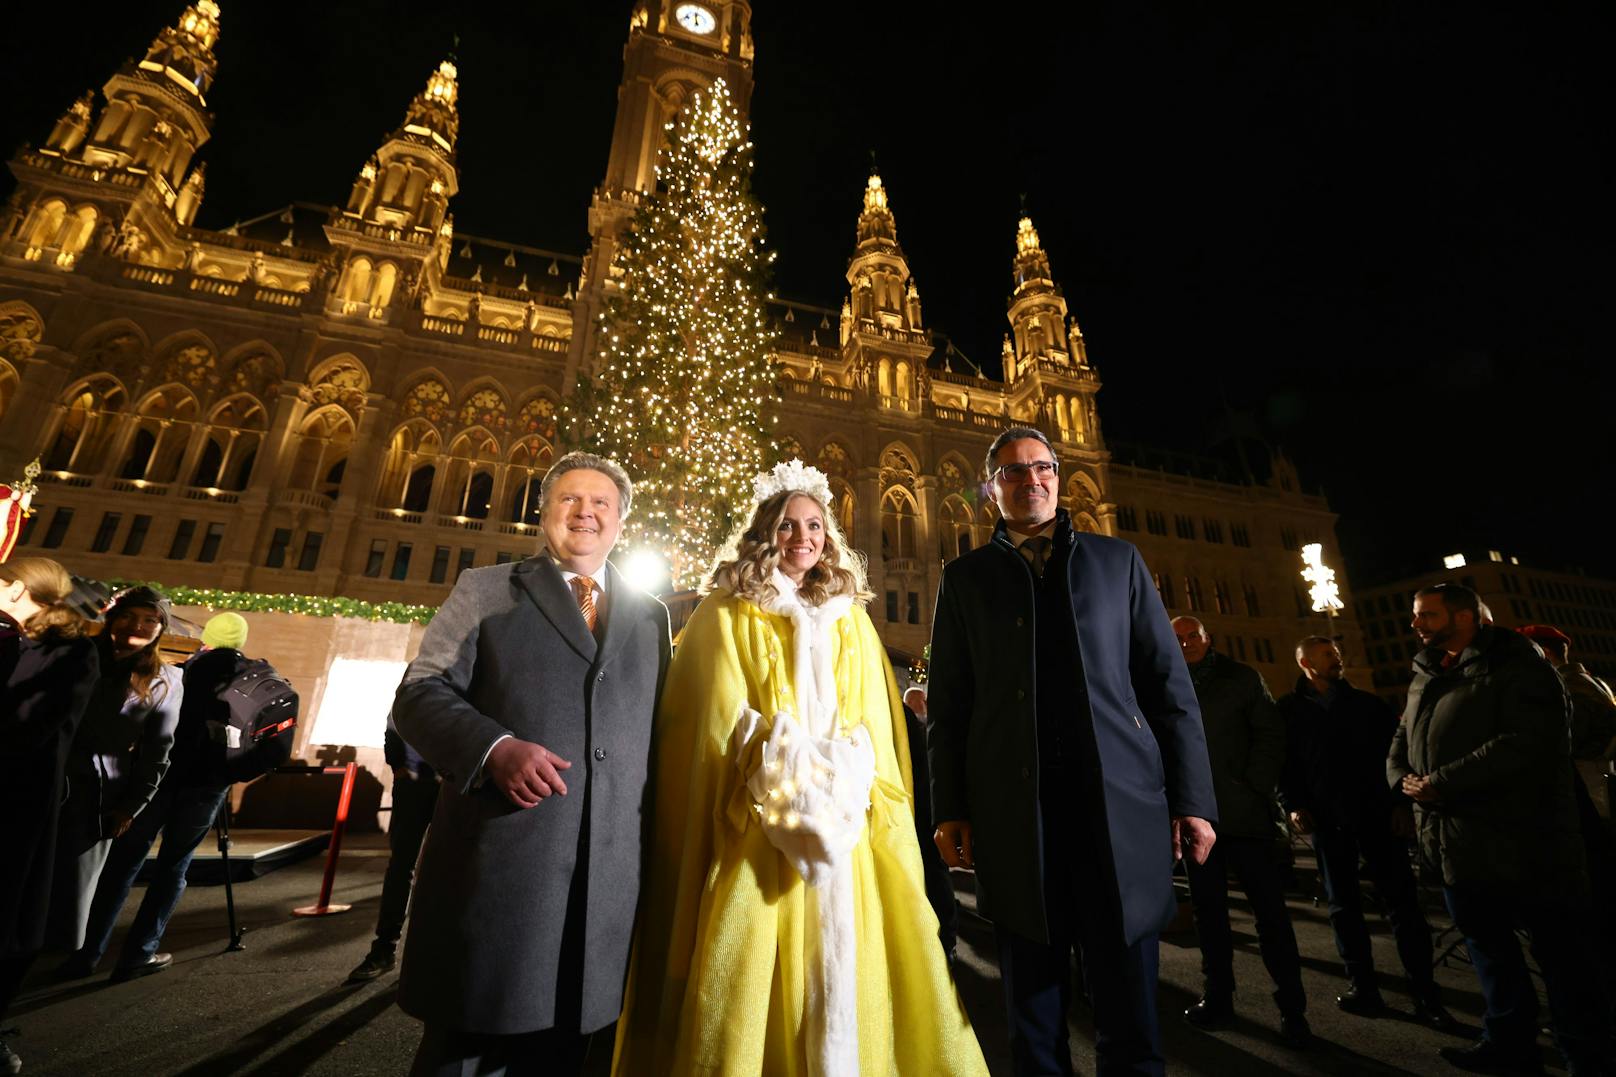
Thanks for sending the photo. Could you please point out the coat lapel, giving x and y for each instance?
(542, 580)
(621, 605)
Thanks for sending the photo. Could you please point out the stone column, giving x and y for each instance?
(357, 496)
(41, 376)
(188, 458)
(251, 534)
(930, 506)
(867, 490)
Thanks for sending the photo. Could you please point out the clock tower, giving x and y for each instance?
(674, 48)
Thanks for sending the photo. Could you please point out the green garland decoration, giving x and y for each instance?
(312, 605)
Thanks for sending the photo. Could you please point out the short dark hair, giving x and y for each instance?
(1455, 596)
(1311, 641)
(1014, 433)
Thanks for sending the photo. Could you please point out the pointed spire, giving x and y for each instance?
(1032, 264)
(182, 54)
(433, 119)
(876, 224)
(189, 199)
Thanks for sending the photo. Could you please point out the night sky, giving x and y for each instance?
(1372, 229)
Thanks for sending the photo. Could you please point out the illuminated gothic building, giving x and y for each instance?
(359, 400)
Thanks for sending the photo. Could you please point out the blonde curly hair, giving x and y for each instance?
(745, 566)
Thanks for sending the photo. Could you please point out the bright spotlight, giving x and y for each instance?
(646, 569)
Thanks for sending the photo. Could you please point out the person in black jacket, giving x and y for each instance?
(1068, 765)
(415, 796)
(1246, 742)
(1484, 751)
(939, 883)
(47, 668)
(186, 804)
(1333, 786)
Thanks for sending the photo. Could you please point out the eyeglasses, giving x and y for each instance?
(1016, 472)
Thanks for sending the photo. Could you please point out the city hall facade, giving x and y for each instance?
(358, 400)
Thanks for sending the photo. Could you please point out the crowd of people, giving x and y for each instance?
(105, 747)
(737, 850)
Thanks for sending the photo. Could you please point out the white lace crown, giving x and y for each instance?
(792, 475)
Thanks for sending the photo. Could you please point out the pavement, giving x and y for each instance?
(281, 1007)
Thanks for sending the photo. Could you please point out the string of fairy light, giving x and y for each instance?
(213, 598)
(687, 359)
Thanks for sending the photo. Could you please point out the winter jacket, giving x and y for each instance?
(1335, 757)
(44, 686)
(1245, 740)
(1493, 735)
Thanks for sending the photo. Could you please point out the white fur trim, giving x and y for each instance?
(812, 791)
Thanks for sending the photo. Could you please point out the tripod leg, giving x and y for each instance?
(221, 823)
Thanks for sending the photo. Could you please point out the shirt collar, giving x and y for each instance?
(1047, 531)
(567, 576)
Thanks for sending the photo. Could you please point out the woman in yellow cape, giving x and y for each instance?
(784, 929)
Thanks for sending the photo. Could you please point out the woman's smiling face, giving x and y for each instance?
(801, 537)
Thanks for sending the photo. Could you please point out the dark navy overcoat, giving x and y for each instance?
(1150, 759)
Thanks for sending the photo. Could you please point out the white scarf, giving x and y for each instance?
(813, 793)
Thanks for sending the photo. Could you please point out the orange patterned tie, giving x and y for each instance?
(584, 588)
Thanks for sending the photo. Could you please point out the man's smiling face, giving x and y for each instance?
(581, 519)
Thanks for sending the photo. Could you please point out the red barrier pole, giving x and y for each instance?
(324, 907)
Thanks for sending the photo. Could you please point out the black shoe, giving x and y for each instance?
(1210, 1013)
(9, 1062)
(1361, 1001)
(1485, 1056)
(74, 968)
(1294, 1030)
(375, 963)
(153, 964)
(1429, 1011)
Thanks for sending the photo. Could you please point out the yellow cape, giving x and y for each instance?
(717, 981)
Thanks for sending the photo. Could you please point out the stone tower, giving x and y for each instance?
(393, 235)
(674, 48)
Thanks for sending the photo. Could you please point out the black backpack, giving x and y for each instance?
(262, 708)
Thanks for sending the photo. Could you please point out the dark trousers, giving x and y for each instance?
(1558, 930)
(939, 885)
(1037, 976)
(182, 815)
(413, 801)
(1257, 868)
(448, 1052)
(1386, 857)
(13, 970)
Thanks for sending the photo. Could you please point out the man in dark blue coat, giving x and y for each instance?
(1068, 763)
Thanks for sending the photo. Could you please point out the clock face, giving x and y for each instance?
(695, 18)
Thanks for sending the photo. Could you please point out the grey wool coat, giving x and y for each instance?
(509, 653)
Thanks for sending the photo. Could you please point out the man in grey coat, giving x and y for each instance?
(533, 698)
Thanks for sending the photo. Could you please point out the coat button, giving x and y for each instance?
(601, 677)
(600, 753)
(1025, 773)
(1019, 622)
(1021, 693)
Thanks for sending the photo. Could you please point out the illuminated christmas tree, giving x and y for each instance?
(686, 361)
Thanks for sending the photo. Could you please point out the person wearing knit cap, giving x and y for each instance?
(182, 812)
(119, 757)
(226, 630)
